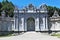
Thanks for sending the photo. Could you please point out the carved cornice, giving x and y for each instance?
(32, 9)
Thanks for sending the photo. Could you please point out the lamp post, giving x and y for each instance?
(16, 11)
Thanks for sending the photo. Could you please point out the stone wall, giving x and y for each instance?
(6, 25)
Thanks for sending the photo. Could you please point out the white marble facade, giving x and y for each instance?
(39, 16)
(55, 22)
(31, 18)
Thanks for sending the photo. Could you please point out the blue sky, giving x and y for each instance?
(37, 3)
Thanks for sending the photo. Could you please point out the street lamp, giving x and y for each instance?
(16, 11)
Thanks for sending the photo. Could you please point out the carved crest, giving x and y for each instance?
(30, 7)
(55, 14)
(43, 7)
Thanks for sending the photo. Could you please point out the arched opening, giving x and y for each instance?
(30, 24)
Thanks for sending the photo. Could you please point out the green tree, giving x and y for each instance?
(8, 7)
(0, 8)
(52, 9)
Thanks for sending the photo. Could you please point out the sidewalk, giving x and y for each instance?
(30, 36)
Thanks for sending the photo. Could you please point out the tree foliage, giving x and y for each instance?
(0, 8)
(8, 7)
(52, 9)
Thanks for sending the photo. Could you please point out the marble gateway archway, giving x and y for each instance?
(32, 19)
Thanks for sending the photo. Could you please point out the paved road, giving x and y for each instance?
(31, 36)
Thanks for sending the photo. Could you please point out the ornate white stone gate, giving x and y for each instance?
(39, 16)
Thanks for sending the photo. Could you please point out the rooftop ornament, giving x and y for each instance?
(43, 8)
(55, 14)
(16, 10)
(30, 7)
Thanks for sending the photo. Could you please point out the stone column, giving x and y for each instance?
(22, 28)
(13, 26)
(25, 25)
(43, 29)
(46, 23)
(16, 24)
(37, 24)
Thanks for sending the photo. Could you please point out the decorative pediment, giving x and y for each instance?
(30, 7)
(55, 14)
(43, 8)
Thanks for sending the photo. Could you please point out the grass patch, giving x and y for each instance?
(57, 35)
(6, 35)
